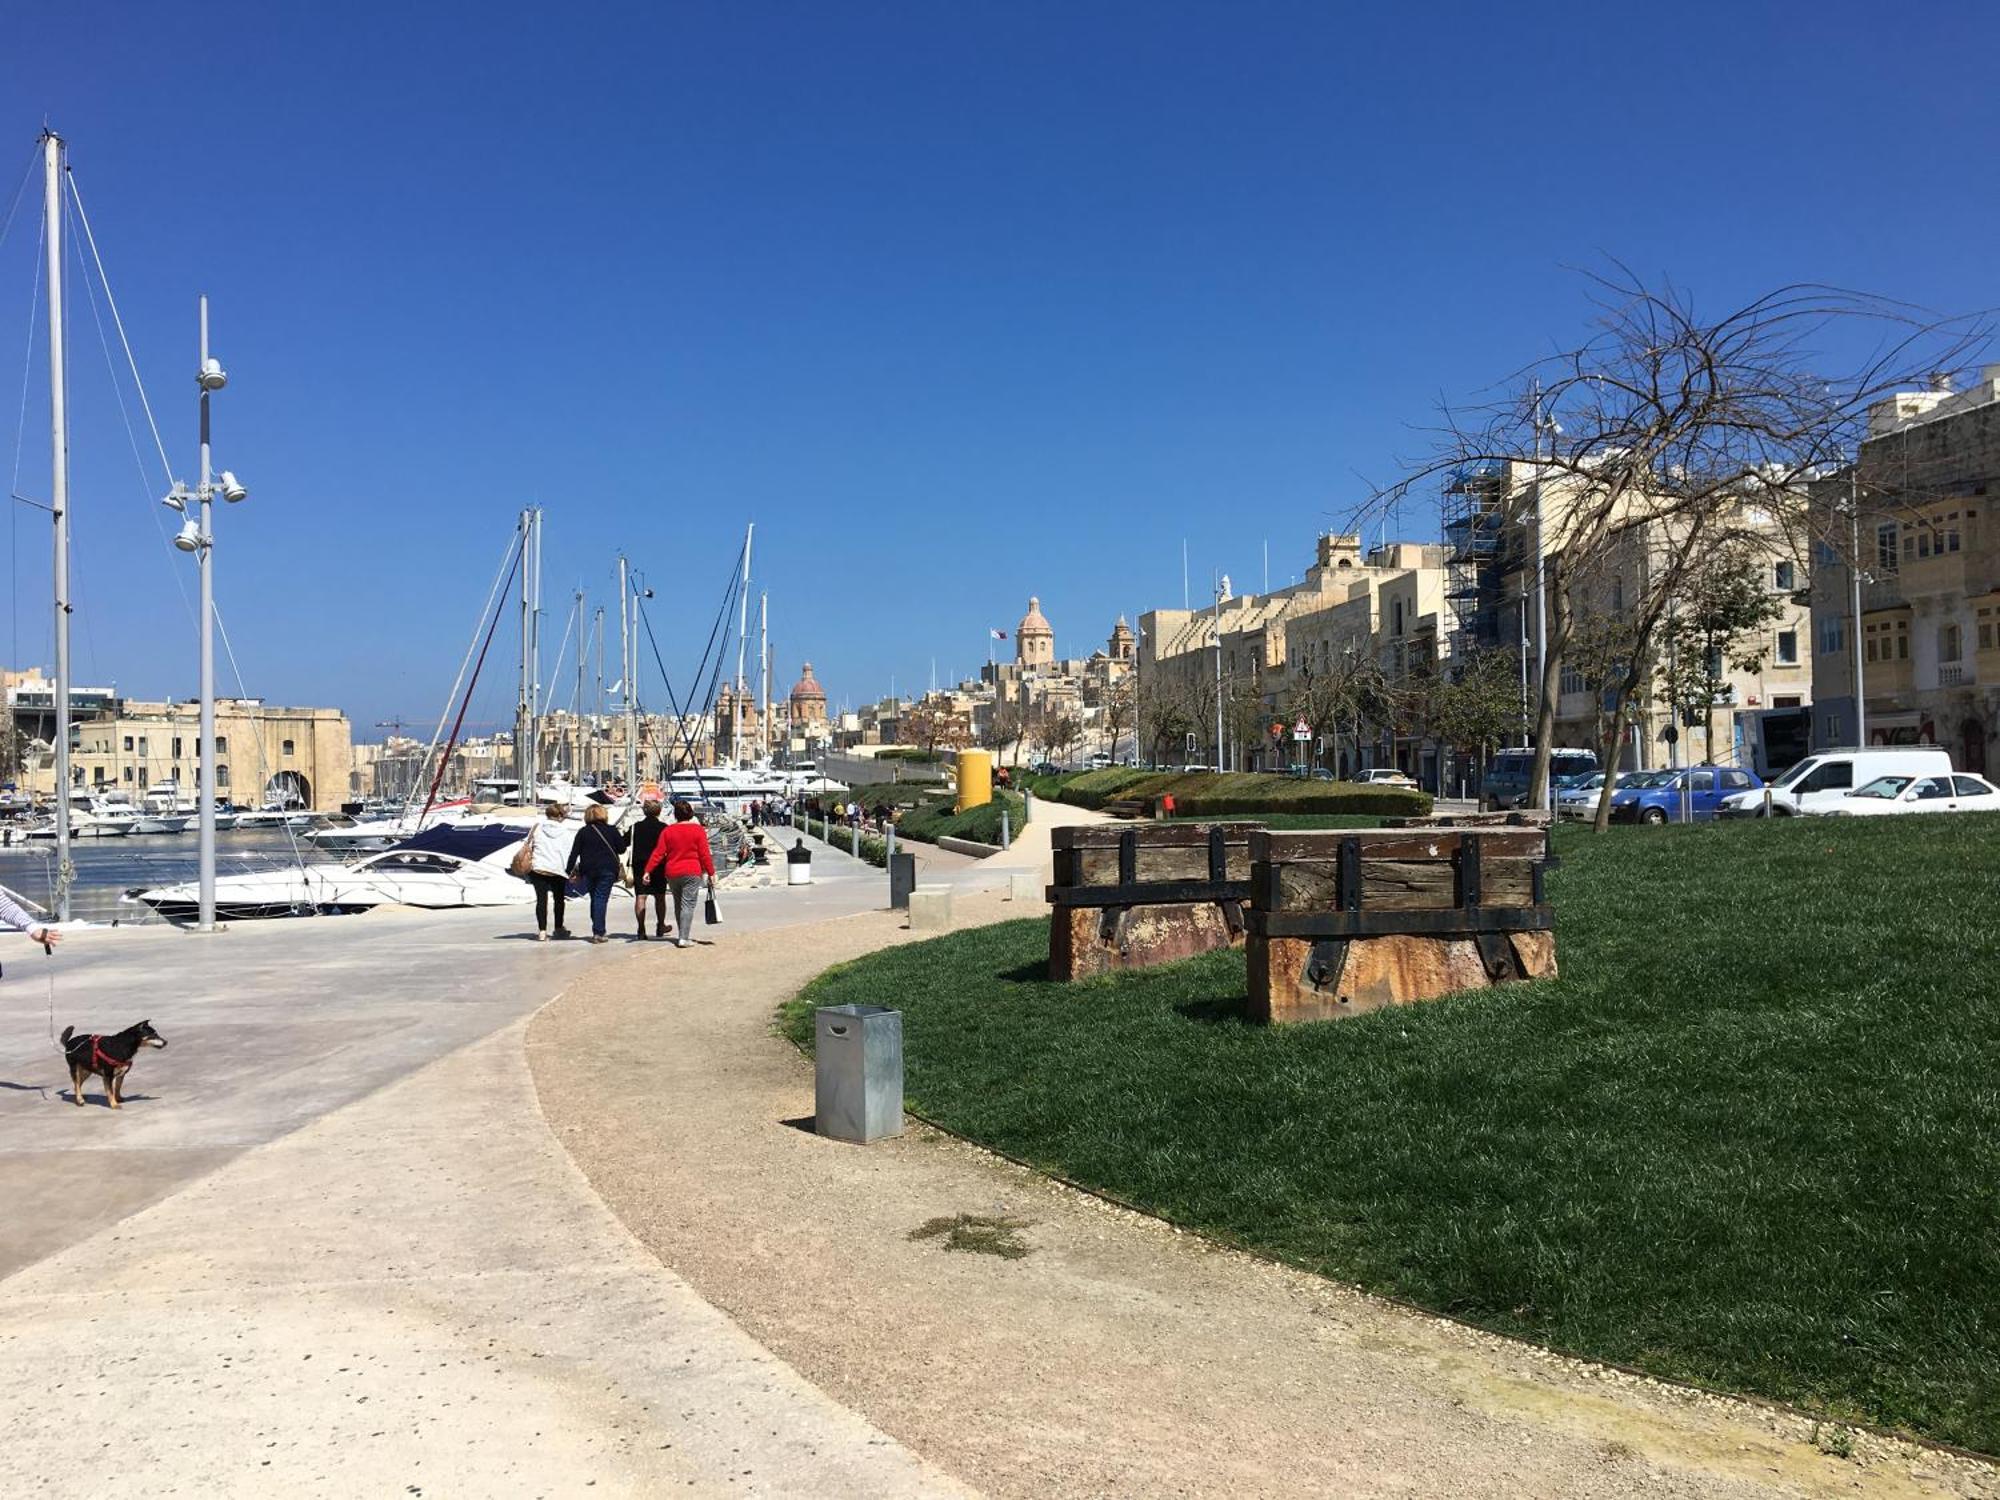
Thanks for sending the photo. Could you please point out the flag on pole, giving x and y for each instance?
(999, 635)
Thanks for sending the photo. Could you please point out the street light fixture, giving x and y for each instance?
(197, 535)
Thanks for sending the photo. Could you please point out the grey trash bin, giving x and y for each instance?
(858, 1072)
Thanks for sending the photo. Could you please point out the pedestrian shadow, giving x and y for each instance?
(34, 1088)
(1029, 973)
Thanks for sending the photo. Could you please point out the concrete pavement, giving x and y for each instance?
(331, 1247)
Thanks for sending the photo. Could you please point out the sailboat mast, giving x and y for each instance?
(625, 678)
(576, 702)
(764, 678)
(523, 776)
(597, 719)
(59, 503)
(742, 633)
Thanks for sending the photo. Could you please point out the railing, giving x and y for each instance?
(1954, 674)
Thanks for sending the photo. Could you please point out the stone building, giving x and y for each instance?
(262, 753)
(1917, 504)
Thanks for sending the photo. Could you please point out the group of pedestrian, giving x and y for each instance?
(667, 859)
(852, 813)
(770, 812)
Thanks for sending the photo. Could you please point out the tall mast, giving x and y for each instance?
(535, 658)
(577, 705)
(742, 632)
(52, 147)
(597, 718)
(625, 679)
(522, 774)
(764, 677)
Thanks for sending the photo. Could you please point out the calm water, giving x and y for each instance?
(107, 868)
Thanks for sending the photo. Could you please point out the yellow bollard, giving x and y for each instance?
(975, 779)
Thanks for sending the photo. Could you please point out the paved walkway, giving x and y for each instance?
(330, 1247)
(1118, 1357)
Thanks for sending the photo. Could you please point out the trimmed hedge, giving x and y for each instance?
(1213, 793)
(934, 820)
(874, 848)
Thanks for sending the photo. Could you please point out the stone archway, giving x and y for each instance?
(289, 788)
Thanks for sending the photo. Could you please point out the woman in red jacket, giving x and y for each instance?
(683, 852)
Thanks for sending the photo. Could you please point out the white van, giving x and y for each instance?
(1820, 781)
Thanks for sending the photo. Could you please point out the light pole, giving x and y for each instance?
(197, 535)
(1855, 580)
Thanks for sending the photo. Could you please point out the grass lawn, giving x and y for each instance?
(1750, 1138)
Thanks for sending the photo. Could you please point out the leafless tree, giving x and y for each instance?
(1670, 420)
(1005, 730)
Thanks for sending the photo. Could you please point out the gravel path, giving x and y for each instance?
(1119, 1357)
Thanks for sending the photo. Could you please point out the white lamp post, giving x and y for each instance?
(197, 535)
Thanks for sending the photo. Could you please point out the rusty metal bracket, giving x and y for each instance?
(1112, 925)
(1325, 964)
(1497, 954)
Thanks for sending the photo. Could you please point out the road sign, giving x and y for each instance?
(1302, 731)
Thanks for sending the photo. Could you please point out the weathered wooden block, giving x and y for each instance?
(1131, 897)
(1344, 924)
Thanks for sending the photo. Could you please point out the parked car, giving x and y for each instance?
(1385, 776)
(1579, 798)
(1321, 773)
(1099, 762)
(1191, 770)
(1505, 785)
(1823, 779)
(1696, 790)
(1900, 793)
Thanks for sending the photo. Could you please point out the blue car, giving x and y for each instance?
(1692, 791)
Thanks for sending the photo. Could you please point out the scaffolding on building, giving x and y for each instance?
(1474, 513)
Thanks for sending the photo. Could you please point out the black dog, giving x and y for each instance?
(106, 1056)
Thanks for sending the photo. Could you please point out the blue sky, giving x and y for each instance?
(958, 302)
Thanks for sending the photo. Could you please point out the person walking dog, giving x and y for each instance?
(17, 917)
(645, 835)
(593, 859)
(548, 867)
(683, 854)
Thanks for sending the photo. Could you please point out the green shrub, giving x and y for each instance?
(874, 849)
(935, 820)
(1211, 794)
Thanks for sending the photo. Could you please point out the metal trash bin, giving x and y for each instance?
(902, 880)
(858, 1072)
(798, 864)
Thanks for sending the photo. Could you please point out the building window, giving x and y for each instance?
(1618, 594)
(1399, 618)
(177, 750)
(128, 742)
(142, 744)
(222, 744)
(287, 747)
(1949, 642)
(1784, 701)
(1833, 635)
(128, 773)
(1788, 648)
(1784, 575)
(221, 776)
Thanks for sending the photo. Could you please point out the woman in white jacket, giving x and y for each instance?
(548, 867)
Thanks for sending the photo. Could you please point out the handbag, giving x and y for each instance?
(708, 912)
(523, 862)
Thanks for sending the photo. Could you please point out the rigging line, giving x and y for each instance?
(132, 438)
(504, 573)
(27, 172)
(683, 733)
(263, 765)
(119, 323)
(466, 702)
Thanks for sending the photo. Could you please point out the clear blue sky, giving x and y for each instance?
(958, 302)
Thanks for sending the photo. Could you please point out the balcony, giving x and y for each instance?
(1953, 674)
(1953, 575)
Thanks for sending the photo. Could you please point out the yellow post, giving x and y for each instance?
(975, 779)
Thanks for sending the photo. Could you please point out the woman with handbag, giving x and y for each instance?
(645, 836)
(593, 860)
(548, 867)
(683, 854)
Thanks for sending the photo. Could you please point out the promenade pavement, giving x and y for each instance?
(330, 1246)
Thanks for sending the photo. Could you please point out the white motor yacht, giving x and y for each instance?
(441, 867)
(94, 815)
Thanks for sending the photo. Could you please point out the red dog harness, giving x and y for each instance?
(99, 1058)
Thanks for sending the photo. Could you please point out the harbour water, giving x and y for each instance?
(107, 868)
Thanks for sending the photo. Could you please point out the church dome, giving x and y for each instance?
(808, 688)
(1034, 622)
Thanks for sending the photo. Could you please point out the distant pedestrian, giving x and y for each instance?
(645, 835)
(593, 859)
(683, 855)
(548, 867)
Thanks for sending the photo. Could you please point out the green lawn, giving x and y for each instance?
(1751, 1138)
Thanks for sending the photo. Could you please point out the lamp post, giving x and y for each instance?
(197, 535)
(1855, 580)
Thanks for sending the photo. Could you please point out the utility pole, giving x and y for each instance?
(1221, 587)
(1854, 572)
(52, 148)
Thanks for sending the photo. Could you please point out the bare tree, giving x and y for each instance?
(1668, 420)
(1058, 734)
(1117, 715)
(1005, 730)
(931, 726)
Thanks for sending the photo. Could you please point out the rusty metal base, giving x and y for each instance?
(1324, 979)
(1085, 941)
